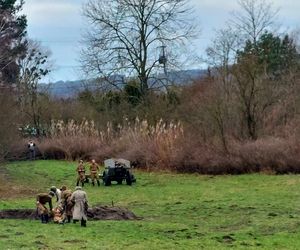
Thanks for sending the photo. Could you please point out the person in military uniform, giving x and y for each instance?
(41, 201)
(81, 173)
(94, 169)
(79, 198)
(57, 193)
(67, 203)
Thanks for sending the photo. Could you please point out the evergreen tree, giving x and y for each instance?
(275, 56)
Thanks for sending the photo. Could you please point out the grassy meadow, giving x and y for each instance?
(178, 211)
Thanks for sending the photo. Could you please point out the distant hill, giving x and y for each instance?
(68, 89)
(63, 89)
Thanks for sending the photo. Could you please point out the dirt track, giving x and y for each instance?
(13, 190)
(95, 213)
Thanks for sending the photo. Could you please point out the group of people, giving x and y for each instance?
(94, 173)
(69, 205)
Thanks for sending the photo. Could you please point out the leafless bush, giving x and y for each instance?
(152, 143)
(167, 146)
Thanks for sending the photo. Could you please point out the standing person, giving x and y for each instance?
(81, 173)
(31, 149)
(57, 193)
(41, 200)
(79, 198)
(67, 203)
(94, 169)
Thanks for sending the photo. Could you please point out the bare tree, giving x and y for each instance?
(254, 18)
(125, 36)
(33, 67)
(221, 55)
(235, 54)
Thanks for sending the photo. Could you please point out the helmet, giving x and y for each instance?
(51, 193)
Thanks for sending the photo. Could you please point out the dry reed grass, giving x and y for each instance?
(140, 141)
(166, 146)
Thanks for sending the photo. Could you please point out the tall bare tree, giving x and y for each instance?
(247, 91)
(33, 67)
(254, 18)
(125, 37)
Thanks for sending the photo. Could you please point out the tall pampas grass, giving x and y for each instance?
(139, 141)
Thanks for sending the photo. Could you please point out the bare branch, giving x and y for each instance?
(125, 34)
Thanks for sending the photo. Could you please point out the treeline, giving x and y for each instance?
(242, 117)
(246, 122)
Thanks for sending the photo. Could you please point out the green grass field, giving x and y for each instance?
(179, 211)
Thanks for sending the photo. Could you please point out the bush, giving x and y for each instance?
(166, 147)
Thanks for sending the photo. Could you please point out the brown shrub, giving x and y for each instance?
(166, 147)
(140, 142)
(270, 154)
(68, 147)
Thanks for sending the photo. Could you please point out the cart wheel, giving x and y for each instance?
(129, 180)
(107, 181)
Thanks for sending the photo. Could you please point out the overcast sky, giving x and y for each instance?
(58, 24)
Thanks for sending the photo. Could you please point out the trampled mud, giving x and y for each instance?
(94, 213)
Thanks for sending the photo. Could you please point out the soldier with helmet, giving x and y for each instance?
(57, 193)
(94, 171)
(81, 173)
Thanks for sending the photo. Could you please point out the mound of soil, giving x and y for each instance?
(110, 213)
(94, 213)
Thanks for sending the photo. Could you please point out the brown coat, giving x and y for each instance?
(67, 202)
(41, 200)
(44, 198)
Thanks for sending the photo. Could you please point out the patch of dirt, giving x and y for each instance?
(94, 213)
(19, 233)
(74, 241)
(227, 239)
(12, 190)
(272, 214)
(111, 213)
